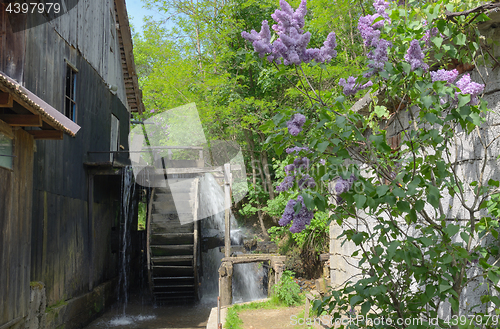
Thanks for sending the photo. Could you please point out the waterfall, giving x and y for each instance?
(248, 278)
(126, 215)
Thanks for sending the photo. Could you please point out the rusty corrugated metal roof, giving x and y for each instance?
(36, 105)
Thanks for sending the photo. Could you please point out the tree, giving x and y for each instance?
(391, 203)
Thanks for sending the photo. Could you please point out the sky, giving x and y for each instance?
(137, 12)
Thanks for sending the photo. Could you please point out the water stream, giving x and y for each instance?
(247, 278)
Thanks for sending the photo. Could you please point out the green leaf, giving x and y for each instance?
(403, 206)
(267, 126)
(493, 182)
(406, 67)
(382, 190)
(381, 111)
(397, 191)
(451, 229)
(465, 236)
(360, 200)
(433, 196)
(321, 147)
(454, 304)
(358, 238)
(438, 41)
(460, 39)
(365, 308)
(308, 200)
(355, 300)
(493, 276)
(462, 100)
(426, 241)
(427, 101)
(444, 287)
(419, 205)
(277, 118)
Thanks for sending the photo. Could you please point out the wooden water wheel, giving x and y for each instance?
(172, 240)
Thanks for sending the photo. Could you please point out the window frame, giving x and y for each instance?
(11, 156)
(70, 104)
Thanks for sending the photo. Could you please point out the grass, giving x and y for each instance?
(233, 321)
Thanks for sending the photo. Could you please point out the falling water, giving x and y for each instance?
(248, 278)
(126, 216)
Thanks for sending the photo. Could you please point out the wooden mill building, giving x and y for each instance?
(67, 90)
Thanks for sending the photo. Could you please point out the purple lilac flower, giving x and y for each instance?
(291, 45)
(467, 86)
(296, 149)
(301, 163)
(415, 56)
(343, 185)
(260, 41)
(295, 124)
(294, 170)
(299, 220)
(351, 87)
(370, 31)
(444, 75)
(289, 168)
(428, 34)
(322, 162)
(307, 182)
(378, 57)
(286, 184)
(288, 214)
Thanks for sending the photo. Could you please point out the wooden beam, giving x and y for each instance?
(6, 129)
(6, 99)
(47, 134)
(227, 213)
(18, 120)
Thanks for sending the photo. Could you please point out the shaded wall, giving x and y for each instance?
(71, 253)
(15, 230)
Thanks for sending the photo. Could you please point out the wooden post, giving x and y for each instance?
(227, 206)
(226, 283)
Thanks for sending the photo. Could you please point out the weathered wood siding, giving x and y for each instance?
(15, 230)
(12, 44)
(90, 27)
(61, 241)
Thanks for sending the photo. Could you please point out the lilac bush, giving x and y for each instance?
(295, 124)
(298, 220)
(291, 45)
(444, 75)
(415, 56)
(351, 87)
(467, 86)
(396, 216)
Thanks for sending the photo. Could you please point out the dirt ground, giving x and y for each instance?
(275, 319)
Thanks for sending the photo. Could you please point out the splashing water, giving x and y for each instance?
(248, 278)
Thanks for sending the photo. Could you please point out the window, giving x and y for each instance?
(6, 151)
(70, 97)
(115, 136)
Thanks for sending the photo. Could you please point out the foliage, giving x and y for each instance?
(288, 290)
(395, 205)
(233, 321)
(142, 216)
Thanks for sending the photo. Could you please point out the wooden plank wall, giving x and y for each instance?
(90, 27)
(12, 44)
(15, 230)
(61, 238)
